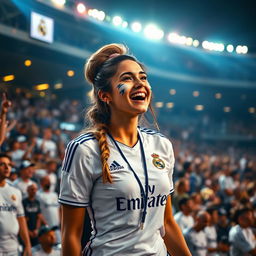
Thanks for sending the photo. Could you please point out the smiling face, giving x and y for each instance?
(130, 91)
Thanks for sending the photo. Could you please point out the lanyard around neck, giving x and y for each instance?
(144, 192)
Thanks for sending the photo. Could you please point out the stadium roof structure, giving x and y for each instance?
(59, 65)
(230, 20)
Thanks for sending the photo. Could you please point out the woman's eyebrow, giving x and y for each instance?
(131, 73)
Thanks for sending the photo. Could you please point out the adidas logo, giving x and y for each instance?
(115, 166)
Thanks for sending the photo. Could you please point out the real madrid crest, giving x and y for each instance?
(13, 197)
(157, 162)
(42, 28)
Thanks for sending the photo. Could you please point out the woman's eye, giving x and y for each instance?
(125, 78)
(143, 78)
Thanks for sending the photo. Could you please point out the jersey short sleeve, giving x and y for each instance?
(20, 209)
(172, 161)
(76, 175)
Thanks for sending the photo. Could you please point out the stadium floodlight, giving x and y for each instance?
(177, 39)
(199, 107)
(219, 47)
(136, 27)
(244, 49)
(169, 104)
(239, 49)
(101, 15)
(80, 8)
(117, 20)
(195, 93)
(70, 73)
(124, 24)
(41, 87)
(96, 14)
(218, 95)
(251, 110)
(59, 2)
(172, 91)
(58, 86)
(92, 12)
(230, 48)
(206, 45)
(189, 41)
(173, 37)
(27, 63)
(227, 109)
(8, 78)
(159, 104)
(196, 43)
(152, 32)
(182, 40)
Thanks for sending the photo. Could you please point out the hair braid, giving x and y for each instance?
(104, 153)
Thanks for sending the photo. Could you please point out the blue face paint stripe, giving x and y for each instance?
(121, 89)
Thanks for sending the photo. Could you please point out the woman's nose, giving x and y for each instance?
(138, 83)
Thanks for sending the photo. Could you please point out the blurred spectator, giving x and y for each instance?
(49, 205)
(12, 220)
(51, 168)
(200, 164)
(214, 248)
(20, 150)
(26, 172)
(181, 190)
(222, 229)
(195, 237)
(227, 184)
(241, 235)
(197, 203)
(184, 217)
(6, 104)
(13, 176)
(47, 243)
(210, 231)
(33, 213)
(46, 144)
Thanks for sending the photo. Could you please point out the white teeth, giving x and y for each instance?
(139, 94)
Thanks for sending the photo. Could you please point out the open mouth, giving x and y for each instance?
(138, 96)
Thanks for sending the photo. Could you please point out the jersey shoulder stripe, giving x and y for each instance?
(71, 149)
(79, 204)
(151, 131)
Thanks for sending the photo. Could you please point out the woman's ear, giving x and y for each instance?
(104, 96)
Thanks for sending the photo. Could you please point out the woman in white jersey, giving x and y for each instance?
(118, 172)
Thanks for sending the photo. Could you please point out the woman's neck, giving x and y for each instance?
(125, 130)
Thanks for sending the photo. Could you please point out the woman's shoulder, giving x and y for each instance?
(83, 138)
(152, 137)
(84, 142)
(148, 132)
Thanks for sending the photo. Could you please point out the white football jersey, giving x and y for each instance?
(115, 209)
(10, 208)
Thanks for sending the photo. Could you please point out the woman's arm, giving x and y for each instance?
(72, 222)
(173, 238)
(23, 232)
(6, 104)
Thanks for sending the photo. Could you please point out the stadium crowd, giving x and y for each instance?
(215, 190)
